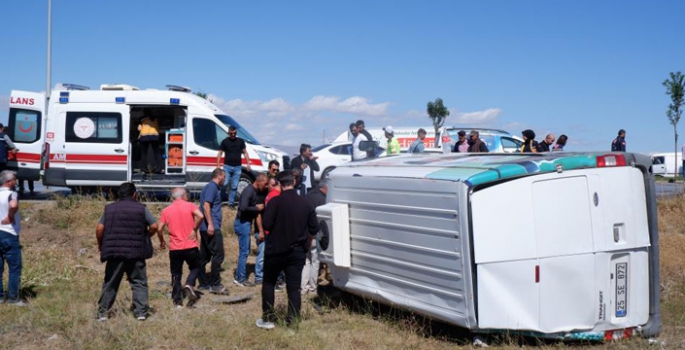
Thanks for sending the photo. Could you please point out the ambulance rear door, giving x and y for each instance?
(96, 143)
(25, 129)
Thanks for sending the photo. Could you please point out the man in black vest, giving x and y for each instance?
(292, 224)
(123, 236)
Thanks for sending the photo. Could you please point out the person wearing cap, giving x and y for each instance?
(393, 144)
(417, 146)
(619, 143)
(462, 145)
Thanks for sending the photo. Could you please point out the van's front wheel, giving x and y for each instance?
(245, 180)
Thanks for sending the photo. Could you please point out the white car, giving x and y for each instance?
(331, 155)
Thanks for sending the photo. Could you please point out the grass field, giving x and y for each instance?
(62, 277)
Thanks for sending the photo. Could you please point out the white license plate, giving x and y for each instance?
(621, 289)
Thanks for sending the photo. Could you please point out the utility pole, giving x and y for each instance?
(49, 61)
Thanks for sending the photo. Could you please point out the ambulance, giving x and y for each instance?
(554, 245)
(88, 138)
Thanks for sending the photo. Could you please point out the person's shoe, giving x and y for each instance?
(141, 318)
(257, 283)
(232, 207)
(265, 324)
(17, 303)
(178, 306)
(204, 288)
(219, 289)
(103, 318)
(279, 288)
(189, 294)
(243, 283)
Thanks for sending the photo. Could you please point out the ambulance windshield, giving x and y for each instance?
(242, 132)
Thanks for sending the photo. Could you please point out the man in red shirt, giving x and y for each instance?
(182, 218)
(274, 190)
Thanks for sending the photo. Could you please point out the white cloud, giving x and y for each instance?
(281, 122)
(479, 118)
(293, 127)
(355, 105)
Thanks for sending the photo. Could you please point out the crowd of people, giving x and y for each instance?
(277, 209)
(285, 227)
(466, 144)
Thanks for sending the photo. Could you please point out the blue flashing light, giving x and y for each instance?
(120, 100)
(64, 94)
(175, 101)
(64, 100)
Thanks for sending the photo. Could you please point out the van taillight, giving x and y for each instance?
(611, 160)
(46, 156)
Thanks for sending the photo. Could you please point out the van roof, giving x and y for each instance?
(477, 169)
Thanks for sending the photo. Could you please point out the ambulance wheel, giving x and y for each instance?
(245, 180)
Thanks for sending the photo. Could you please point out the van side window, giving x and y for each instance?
(208, 134)
(98, 127)
(24, 125)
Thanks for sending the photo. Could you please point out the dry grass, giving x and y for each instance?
(62, 278)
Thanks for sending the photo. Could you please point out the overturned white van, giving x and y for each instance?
(561, 245)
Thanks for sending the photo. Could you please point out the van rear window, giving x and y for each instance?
(24, 125)
(98, 127)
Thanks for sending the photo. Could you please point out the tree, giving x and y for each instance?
(437, 112)
(674, 88)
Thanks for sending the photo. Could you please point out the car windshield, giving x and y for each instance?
(318, 148)
(242, 132)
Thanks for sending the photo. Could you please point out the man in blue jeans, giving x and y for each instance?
(248, 210)
(234, 148)
(10, 250)
(211, 238)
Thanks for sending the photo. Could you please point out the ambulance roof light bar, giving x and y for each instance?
(118, 87)
(178, 88)
(72, 87)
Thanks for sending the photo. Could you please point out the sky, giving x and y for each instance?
(301, 71)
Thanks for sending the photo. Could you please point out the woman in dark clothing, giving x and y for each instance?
(561, 143)
(529, 143)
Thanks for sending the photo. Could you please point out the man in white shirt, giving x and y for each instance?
(10, 250)
(362, 135)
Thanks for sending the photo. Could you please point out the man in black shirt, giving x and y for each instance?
(234, 148)
(248, 210)
(292, 224)
(307, 163)
(546, 144)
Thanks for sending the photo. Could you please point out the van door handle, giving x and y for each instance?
(194, 152)
(119, 150)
